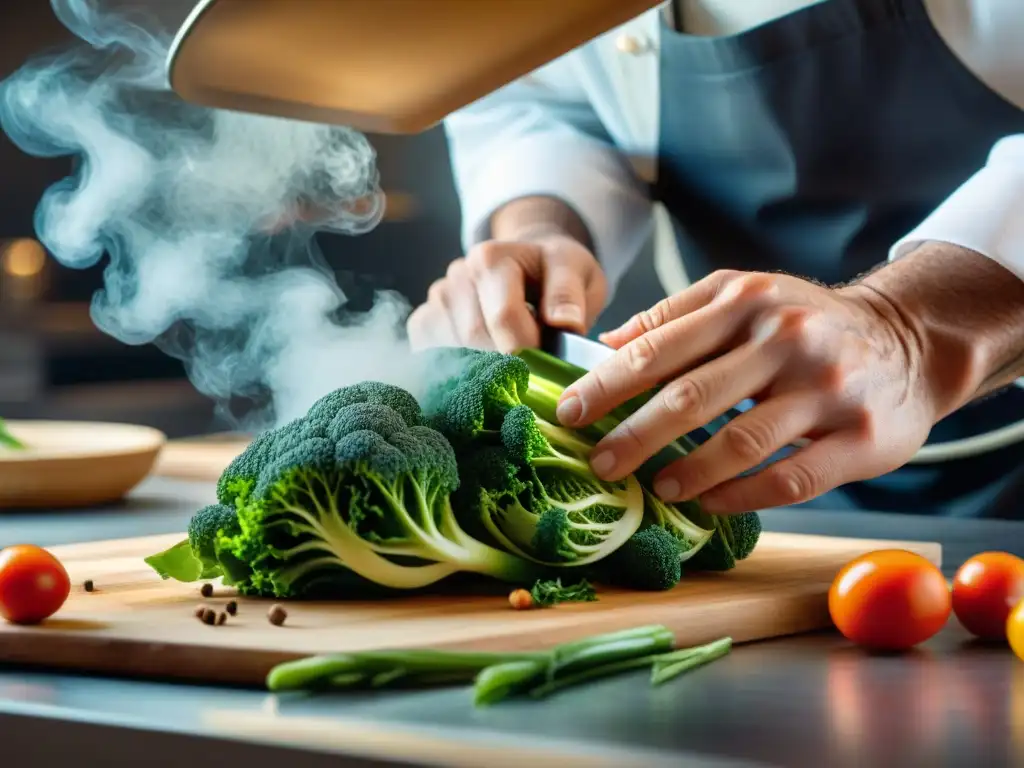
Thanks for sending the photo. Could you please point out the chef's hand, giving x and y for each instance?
(837, 366)
(482, 301)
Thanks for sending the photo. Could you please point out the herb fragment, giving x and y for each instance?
(546, 593)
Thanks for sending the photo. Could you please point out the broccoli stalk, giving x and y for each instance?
(689, 536)
(420, 526)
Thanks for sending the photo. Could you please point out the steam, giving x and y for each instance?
(183, 202)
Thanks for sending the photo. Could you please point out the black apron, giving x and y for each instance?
(812, 143)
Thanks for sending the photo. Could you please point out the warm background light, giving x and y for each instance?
(23, 258)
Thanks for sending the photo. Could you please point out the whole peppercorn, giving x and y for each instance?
(276, 615)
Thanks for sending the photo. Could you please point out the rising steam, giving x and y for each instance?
(183, 201)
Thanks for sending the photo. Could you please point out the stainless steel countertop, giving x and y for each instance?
(802, 701)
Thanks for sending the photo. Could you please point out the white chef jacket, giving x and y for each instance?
(584, 128)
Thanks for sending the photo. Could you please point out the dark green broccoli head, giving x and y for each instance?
(328, 495)
(744, 532)
(476, 400)
(324, 410)
(522, 437)
(237, 481)
(205, 526)
(649, 560)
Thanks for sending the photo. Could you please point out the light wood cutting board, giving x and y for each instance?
(135, 624)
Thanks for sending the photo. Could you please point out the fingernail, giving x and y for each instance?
(569, 410)
(667, 489)
(566, 313)
(603, 463)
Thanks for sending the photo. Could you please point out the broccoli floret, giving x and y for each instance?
(358, 493)
(206, 525)
(546, 504)
(237, 481)
(537, 497)
(690, 537)
(744, 533)
(735, 538)
(473, 403)
(196, 557)
(323, 411)
(649, 560)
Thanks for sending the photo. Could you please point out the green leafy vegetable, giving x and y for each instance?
(547, 592)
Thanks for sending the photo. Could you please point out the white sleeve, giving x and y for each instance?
(986, 214)
(541, 136)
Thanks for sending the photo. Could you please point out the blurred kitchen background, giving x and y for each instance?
(55, 364)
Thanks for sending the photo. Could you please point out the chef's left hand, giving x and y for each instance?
(837, 366)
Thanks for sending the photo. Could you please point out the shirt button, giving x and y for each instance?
(630, 44)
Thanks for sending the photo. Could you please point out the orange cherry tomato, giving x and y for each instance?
(986, 588)
(33, 584)
(1015, 630)
(889, 600)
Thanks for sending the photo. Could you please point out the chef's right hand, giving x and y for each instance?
(482, 301)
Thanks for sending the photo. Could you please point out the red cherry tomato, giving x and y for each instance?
(33, 584)
(889, 600)
(986, 588)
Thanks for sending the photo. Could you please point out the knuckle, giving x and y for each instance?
(504, 316)
(790, 324)
(725, 276)
(437, 292)
(487, 255)
(627, 433)
(456, 268)
(684, 395)
(751, 442)
(797, 482)
(640, 354)
(749, 286)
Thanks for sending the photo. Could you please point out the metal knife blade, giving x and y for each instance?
(572, 348)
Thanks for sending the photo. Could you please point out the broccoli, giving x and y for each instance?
(538, 498)
(732, 538)
(735, 538)
(356, 495)
(206, 525)
(649, 560)
(689, 537)
(196, 557)
(472, 404)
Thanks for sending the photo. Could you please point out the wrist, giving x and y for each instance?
(958, 314)
(537, 220)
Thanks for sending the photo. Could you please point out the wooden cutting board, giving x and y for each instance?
(135, 624)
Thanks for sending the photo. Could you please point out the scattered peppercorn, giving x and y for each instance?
(221, 618)
(276, 615)
(521, 599)
(232, 607)
(209, 616)
(88, 585)
(206, 590)
(200, 610)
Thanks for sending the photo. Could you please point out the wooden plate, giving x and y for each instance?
(75, 463)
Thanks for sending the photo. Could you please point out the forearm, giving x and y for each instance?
(531, 217)
(963, 316)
